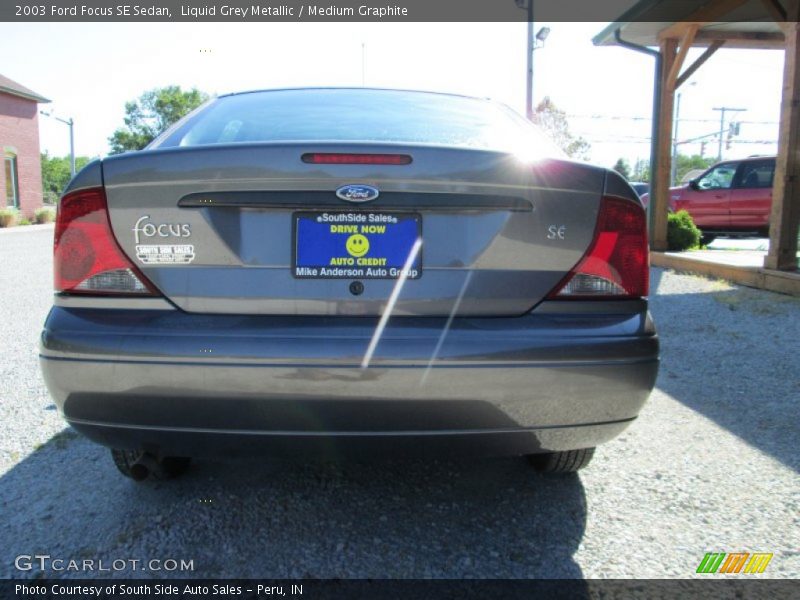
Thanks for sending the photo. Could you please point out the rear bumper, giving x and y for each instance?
(178, 383)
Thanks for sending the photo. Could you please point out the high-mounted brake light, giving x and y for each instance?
(333, 158)
(617, 264)
(86, 256)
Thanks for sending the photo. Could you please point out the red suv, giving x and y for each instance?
(734, 196)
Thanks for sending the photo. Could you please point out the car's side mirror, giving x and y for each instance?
(694, 184)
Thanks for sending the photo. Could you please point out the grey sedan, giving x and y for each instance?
(349, 271)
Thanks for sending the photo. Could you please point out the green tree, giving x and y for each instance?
(554, 121)
(152, 113)
(691, 163)
(641, 170)
(623, 168)
(56, 174)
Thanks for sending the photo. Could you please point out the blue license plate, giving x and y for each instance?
(357, 245)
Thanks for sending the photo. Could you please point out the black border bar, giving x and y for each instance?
(599, 11)
(713, 586)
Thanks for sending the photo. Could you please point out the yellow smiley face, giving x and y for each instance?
(357, 245)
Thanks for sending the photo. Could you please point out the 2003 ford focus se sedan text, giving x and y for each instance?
(349, 270)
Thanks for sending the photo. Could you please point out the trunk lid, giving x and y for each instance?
(215, 228)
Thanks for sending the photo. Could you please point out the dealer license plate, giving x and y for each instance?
(357, 245)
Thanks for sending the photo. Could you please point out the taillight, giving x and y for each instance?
(336, 158)
(86, 256)
(617, 264)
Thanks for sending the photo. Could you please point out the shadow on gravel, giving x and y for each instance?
(406, 519)
(731, 355)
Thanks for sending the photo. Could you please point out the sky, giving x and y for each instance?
(89, 71)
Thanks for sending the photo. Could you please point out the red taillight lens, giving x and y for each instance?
(331, 158)
(617, 264)
(86, 256)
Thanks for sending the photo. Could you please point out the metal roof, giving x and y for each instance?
(747, 25)
(9, 86)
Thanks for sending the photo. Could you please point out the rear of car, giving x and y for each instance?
(349, 271)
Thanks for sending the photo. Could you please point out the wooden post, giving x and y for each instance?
(785, 216)
(660, 201)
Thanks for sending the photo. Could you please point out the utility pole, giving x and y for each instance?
(529, 86)
(723, 110)
(534, 42)
(674, 161)
(677, 120)
(71, 123)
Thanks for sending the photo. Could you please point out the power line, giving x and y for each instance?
(617, 140)
(629, 118)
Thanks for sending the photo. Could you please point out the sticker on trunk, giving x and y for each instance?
(357, 245)
(165, 254)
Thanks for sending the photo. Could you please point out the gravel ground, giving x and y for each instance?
(711, 465)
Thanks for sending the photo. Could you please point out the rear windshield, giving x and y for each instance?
(356, 115)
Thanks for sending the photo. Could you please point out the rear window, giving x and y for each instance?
(357, 115)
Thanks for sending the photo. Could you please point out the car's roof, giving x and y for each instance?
(747, 159)
(354, 88)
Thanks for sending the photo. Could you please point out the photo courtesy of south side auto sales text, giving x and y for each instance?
(145, 590)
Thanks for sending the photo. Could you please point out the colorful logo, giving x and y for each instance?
(735, 562)
(357, 245)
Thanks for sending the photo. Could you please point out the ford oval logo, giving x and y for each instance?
(357, 193)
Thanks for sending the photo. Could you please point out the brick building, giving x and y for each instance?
(21, 175)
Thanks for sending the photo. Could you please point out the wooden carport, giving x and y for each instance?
(675, 26)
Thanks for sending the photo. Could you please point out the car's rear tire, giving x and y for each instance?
(127, 463)
(561, 462)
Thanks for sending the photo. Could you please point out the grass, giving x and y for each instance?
(8, 217)
(759, 302)
(721, 285)
(717, 283)
(45, 214)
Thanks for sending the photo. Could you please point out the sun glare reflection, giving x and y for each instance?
(387, 311)
(446, 328)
